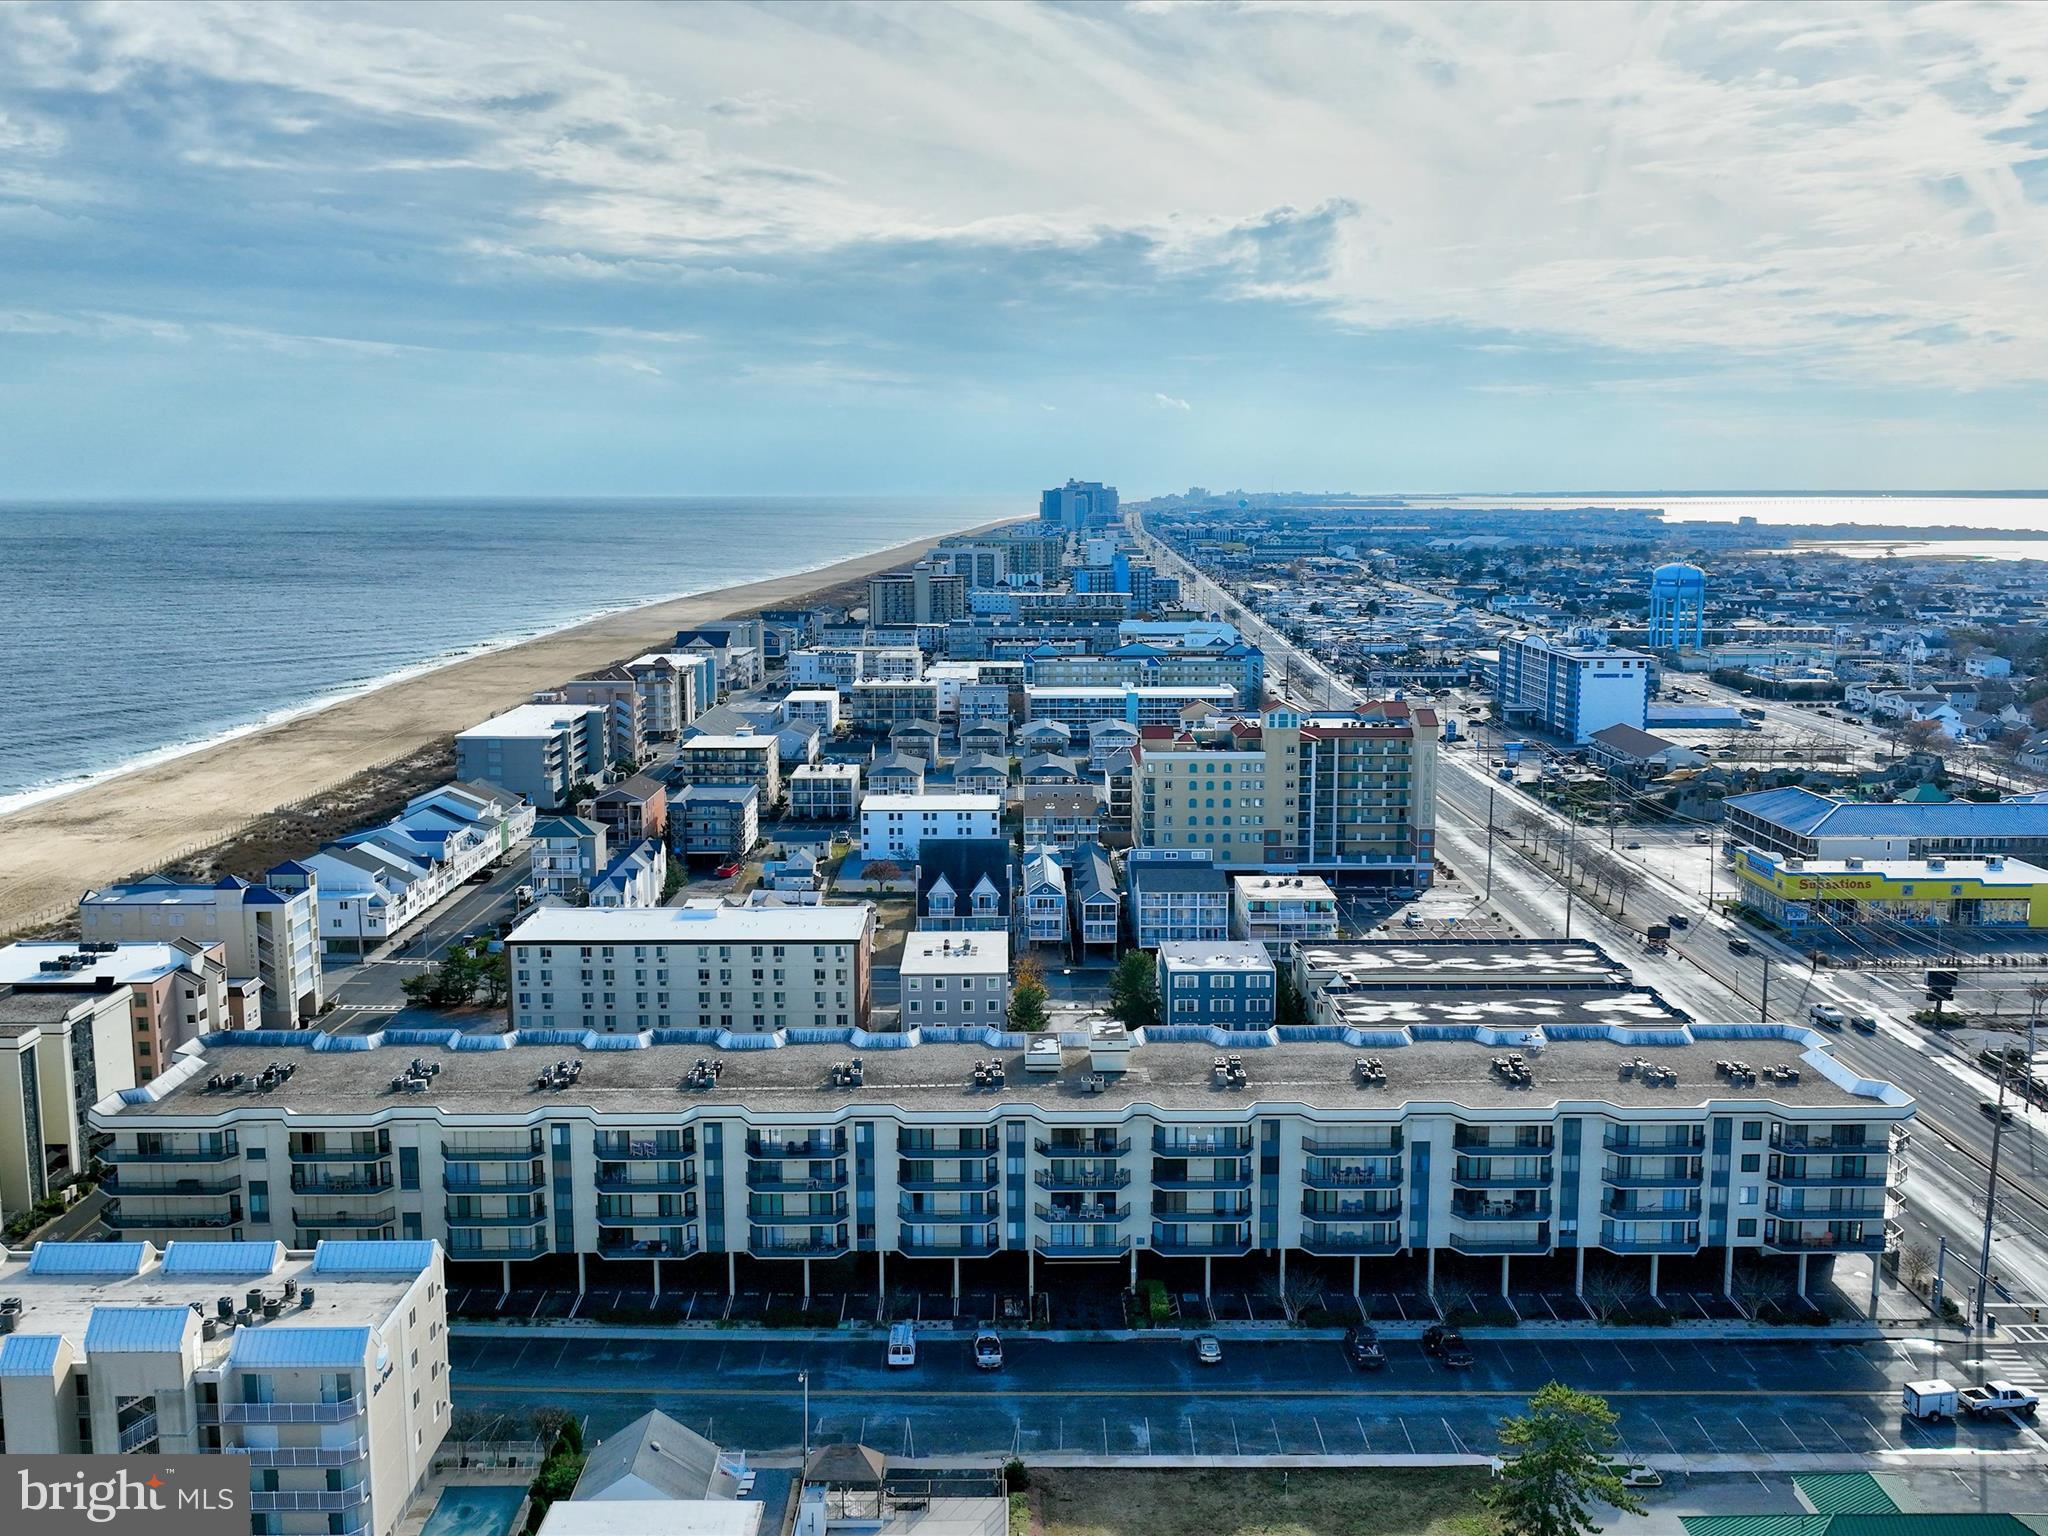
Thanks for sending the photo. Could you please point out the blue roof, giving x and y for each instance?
(1804, 812)
(136, 1330)
(88, 1258)
(239, 1260)
(281, 1346)
(29, 1354)
(372, 1257)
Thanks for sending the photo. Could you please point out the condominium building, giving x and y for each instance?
(1572, 686)
(925, 594)
(1077, 504)
(1176, 894)
(815, 707)
(176, 991)
(880, 705)
(824, 792)
(627, 705)
(718, 821)
(702, 965)
(633, 809)
(569, 852)
(1061, 818)
(841, 666)
(893, 826)
(60, 1053)
(746, 757)
(957, 979)
(1235, 665)
(324, 1373)
(1279, 909)
(538, 751)
(1550, 1110)
(268, 930)
(1078, 705)
(1224, 986)
(678, 687)
(1351, 793)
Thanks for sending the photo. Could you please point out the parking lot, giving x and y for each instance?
(1149, 1397)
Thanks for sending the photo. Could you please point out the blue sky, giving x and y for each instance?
(497, 248)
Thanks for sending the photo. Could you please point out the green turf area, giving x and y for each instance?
(1218, 1502)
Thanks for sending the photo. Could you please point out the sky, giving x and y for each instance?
(314, 249)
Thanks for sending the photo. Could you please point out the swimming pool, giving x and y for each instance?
(475, 1511)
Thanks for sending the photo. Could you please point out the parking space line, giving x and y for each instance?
(1744, 1427)
(1872, 1423)
(1403, 1422)
(1696, 1424)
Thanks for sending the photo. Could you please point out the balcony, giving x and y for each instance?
(512, 1184)
(1501, 1210)
(1081, 1179)
(1800, 1210)
(770, 1243)
(460, 1247)
(1091, 1146)
(767, 1146)
(345, 1220)
(981, 1175)
(1792, 1139)
(181, 1189)
(1684, 1142)
(493, 1151)
(309, 1500)
(1319, 1174)
(1615, 1239)
(364, 1152)
(1345, 1238)
(821, 1209)
(763, 1182)
(623, 1244)
(1082, 1215)
(1495, 1243)
(279, 1457)
(206, 1152)
(684, 1182)
(969, 1208)
(134, 1221)
(1472, 1138)
(1078, 1247)
(1791, 1238)
(1342, 1144)
(921, 1146)
(1482, 1173)
(1687, 1174)
(1659, 1210)
(1826, 1178)
(1166, 1143)
(1239, 1176)
(1228, 1237)
(306, 1181)
(613, 1148)
(337, 1412)
(531, 1218)
(968, 1245)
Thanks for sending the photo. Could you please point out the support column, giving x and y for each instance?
(881, 1281)
(807, 1282)
(1031, 1280)
(1355, 1262)
(1283, 1269)
(1728, 1271)
(580, 1285)
(1802, 1276)
(1504, 1262)
(1208, 1265)
(505, 1281)
(956, 1281)
(1653, 1274)
(657, 1279)
(1429, 1278)
(1134, 1266)
(1876, 1268)
(732, 1273)
(1579, 1273)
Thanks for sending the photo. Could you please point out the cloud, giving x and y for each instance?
(626, 363)
(1169, 403)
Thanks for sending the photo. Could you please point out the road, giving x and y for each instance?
(362, 990)
(1676, 1397)
(1949, 1156)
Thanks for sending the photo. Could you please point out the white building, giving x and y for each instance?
(60, 1052)
(1572, 687)
(814, 707)
(702, 965)
(1277, 909)
(270, 931)
(539, 751)
(894, 826)
(332, 1389)
(956, 979)
(824, 792)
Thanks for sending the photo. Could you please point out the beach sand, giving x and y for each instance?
(53, 851)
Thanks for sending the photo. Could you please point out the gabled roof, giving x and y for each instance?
(961, 864)
(655, 1457)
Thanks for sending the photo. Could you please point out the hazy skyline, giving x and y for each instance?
(313, 249)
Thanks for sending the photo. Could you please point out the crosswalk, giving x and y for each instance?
(2002, 1362)
(367, 1007)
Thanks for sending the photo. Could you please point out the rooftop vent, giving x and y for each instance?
(704, 1071)
(560, 1075)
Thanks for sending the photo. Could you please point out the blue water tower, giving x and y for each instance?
(1678, 606)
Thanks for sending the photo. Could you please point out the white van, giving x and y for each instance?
(902, 1345)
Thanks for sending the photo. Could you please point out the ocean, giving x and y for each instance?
(130, 632)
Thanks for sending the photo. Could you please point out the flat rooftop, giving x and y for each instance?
(138, 960)
(695, 922)
(537, 720)
(934, 1077)
(1464, 963)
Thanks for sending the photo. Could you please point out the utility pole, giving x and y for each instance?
(1763, 1002)
(1571, 853)
(1489, 860)
(804, 1380)
(1990, 1202)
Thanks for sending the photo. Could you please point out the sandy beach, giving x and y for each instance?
(53, 851)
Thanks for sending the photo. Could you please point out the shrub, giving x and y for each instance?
(1016, 1476)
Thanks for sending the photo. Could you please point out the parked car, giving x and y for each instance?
(1209, 1349)
(1738, 946)
(1362, 1348)
(988, 1350)
(1446, 1345)
(727, 871)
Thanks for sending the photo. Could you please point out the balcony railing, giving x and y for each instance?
(344, 1220)
(512, 1248)
(1480, 1173)
(1083, 1215)
(1341, 1144)
(531, 1218)
(1094, 1146)
(1082, 1248)
(1239, 1176)
(122, 1220)
(512, 1184)
(1786, 1139)
(824, 1208)
(621, 1149)
(1341, 1177)
(1687, 1174)
(1503, 1210)
(1632, 1210)
(765, 1242)
(920, 1147)
(623, 1245)
(493, 1151)
(1805, 1179)
(622, 1184)
(338, 1412)
(309, 1500)
(1228, 1237)
(1796, 1240)
(209, 1152)
(1794, 1210)
(979, 1174)
(1496, 1243)
(1467, 1138)
(764, 1182)
(181, 1189)
(968, 1245)
(1615, 1240)
(267, 1457)
(1167, 1143)
(768, 1146)
(306, 1181)
(1341, 1238)
(367, 1152)
(1684, 1142)
(1052, 1178)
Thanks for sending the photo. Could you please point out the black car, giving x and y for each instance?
(1362, 1349)
(1738, 946)
(1446, 1345)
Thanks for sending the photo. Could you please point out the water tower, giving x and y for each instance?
(1678, 606)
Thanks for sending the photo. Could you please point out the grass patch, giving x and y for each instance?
(1436, 1501)
(1020, 1514)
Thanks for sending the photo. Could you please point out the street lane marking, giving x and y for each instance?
(1195, 1393)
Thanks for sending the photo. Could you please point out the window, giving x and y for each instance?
(1746, 1195)
(1752, 1162)
(1752, 1130)
(1746, 1227)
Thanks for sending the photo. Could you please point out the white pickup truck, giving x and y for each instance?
(1998, 1397)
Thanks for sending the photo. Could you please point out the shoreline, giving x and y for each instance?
(169, 804)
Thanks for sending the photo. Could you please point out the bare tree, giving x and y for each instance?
(1628, 881)
(1290, 1296)
(1757, 1286)
(1454, 1296)
(1916, 1266)
(1609, 1292)
(1526, 825)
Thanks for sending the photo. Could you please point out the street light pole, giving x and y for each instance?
(1990, 1203)
(1571, 853)
(804, 1380)
(1489, 850)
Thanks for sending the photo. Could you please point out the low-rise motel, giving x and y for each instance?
(1475, 1104)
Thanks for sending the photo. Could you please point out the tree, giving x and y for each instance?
(1756, 1286)
(1134, 991)
(1027, 996)
(1290, 1008)
(1609, 1293)
(1916, 1266)
(1560, 1467)
(1628, 880)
